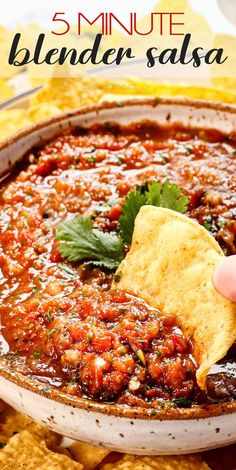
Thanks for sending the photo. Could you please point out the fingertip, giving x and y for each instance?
(224, 278)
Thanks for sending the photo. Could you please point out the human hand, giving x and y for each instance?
(224, 278)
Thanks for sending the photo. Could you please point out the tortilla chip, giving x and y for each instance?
(193, 22)
(88, 455)
(29, 451)
(228, 82)
(12, 422)
(183, 90)
(212, 94)
(118, 98)
(170, 265)
(135, 87)
(197, 24)
(68, 93)
(163, 462)
(42, 111)
(13, 120)
(63, 451)
(6, 91)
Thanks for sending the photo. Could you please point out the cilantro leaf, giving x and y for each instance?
(182, 402)
(67, 270)
(104, 207)
(161, 195)
(80, 241)
(167, 195)
(133, 203)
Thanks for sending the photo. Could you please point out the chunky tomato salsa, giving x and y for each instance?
(63, 322)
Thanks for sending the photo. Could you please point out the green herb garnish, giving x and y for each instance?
(141, 357)
(37, 353)
(182, 402)
(208, 223)
(117, 276)
(159, 353)
(12, 357)
(67, 270)
(133, 203)
(48, 317)
(46, 390)
(35, 290)
(90, 159)
(165, 195)
(80, 241)
(89, 337)
(105, 206)
(51, 332)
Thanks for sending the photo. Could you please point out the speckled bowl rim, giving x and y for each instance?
(124, 411)
(153, 102)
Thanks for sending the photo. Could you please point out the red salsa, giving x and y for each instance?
(62, 323)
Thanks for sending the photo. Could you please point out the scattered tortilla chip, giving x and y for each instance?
(42, 111)
(88, 455)
(68, 93)
(29, 451)
(12, 422)
(6, 91)
(170, 265)
(212, 94)
(111, 97)
(193, 22)
(183, 90)
(228, 82)
(62, 94)
(163, 462)
(63, 451)
(12, 121)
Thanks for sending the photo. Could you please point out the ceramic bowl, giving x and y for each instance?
(121, 428)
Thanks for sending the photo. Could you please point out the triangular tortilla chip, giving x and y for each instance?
(170, 265)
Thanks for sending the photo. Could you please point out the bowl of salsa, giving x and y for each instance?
(81, 357)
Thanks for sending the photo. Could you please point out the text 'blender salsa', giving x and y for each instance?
(62, 322)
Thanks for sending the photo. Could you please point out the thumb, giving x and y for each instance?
(224, 278)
